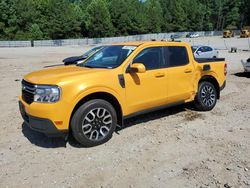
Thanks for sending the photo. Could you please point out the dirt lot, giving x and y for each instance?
(176, 147)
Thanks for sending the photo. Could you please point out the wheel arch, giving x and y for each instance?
(105, 96)
(212, 80)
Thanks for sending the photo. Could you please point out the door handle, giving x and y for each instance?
(159, 75)
(188, 70)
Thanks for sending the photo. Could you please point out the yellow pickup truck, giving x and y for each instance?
(90, 99)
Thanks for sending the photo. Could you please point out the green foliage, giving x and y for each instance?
(57, 19)
(8, 19)
(62, 21)
(233, 15)
(35, 32)
(154, 16)
(120, 16)
(98, 20)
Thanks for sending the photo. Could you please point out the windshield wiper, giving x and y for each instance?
(98, 67)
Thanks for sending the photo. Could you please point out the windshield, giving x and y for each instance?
(109, 57)
(93, 50)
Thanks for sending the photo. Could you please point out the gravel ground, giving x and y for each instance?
(175, 147)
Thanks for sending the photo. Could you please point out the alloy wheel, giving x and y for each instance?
(208, 95)
(97, 124)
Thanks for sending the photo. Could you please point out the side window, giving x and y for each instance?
(176, 56)
(151, 58)
(202, 49)
(209, 49)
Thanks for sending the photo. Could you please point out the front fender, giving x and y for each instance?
(97, 89)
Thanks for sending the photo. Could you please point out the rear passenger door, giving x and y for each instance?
(179, 73)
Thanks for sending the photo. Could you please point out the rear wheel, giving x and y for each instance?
(94, 122)
(206, 97)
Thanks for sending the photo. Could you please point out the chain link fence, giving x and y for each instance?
(93, 41)
(144, 37)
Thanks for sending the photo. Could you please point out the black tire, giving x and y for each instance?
(206, 97)
(85, 131)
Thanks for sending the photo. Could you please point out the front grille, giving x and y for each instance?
(28, 90)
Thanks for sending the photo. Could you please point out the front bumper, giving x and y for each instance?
(42, 125)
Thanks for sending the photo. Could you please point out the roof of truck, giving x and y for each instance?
(138, 43)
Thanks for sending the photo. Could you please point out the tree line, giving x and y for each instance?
(61, 19)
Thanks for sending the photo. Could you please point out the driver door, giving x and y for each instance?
(147, 90)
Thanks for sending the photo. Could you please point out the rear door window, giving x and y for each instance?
(175, 56)
(208, 49)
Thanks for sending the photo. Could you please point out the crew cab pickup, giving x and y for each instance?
(90, 99)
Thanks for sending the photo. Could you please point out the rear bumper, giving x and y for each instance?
(42, 125)
(223, 86)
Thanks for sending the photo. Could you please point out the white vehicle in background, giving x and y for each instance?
(205, 52)
(246, 65)
(192, 35)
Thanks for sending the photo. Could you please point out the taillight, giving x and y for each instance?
(225, 69)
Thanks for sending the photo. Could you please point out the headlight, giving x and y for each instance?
(47, 94)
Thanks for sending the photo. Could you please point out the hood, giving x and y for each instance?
(57, 74)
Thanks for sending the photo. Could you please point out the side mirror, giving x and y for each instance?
(137, 67)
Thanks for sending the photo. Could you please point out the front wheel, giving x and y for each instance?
(94, 122)
(206, 97)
